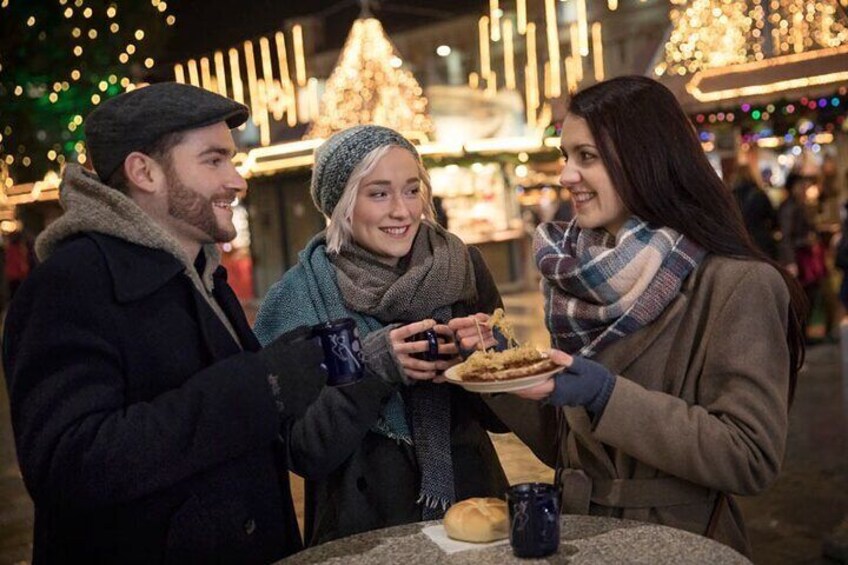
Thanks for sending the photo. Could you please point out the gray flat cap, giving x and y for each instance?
(135, 120)
(336, 158)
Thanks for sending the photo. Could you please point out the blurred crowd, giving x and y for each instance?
(799, 223)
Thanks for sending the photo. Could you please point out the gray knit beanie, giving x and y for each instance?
(336, 158)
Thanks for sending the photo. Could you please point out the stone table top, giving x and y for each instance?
(584, 539)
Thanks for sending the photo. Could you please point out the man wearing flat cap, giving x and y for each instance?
(150, 426)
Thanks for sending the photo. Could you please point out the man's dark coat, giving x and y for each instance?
(145, 434)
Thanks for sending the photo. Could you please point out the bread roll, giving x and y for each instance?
(478, 520)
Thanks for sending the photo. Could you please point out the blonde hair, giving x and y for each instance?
(339, 231)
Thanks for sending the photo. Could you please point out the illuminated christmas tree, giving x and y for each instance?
(369, 86)
(58, 60)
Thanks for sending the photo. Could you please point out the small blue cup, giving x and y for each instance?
(533, 519)
(342, 351)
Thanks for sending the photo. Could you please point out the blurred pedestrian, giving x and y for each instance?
(759, 215)
(565, 211)
(441, 214)
(16, 267)
(840, 259)
(801, 249)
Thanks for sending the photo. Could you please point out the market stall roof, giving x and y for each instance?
(811, 73)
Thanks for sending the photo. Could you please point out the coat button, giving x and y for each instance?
(361, 484)
(249, 526)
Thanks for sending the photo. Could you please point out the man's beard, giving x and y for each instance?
(188, 206)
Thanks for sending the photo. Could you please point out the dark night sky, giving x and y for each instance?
(205, 25)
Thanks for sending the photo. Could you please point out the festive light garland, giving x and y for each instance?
(804, 121)
(720, 33)
(60, 58)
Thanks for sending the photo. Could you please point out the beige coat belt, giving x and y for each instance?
(579, 490)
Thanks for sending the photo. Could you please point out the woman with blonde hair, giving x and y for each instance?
(403, 447)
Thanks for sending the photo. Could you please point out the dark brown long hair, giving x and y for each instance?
(655, 161)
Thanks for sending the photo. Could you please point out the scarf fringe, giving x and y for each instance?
(434, 502)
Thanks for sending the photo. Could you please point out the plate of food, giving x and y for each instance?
(502, 371)
(515, 368)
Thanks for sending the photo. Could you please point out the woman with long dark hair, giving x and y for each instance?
(680, 341)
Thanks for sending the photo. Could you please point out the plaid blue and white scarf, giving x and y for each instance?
(599, 288)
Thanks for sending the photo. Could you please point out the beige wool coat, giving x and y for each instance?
(699, 408)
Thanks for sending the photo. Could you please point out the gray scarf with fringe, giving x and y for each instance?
(436, 274)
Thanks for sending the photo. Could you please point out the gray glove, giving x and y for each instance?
(380, 358)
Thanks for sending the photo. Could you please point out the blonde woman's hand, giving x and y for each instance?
(418, 369)
(467, 335)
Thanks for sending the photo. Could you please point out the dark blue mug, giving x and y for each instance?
(342, 351)
(533, 519)
(432, 351)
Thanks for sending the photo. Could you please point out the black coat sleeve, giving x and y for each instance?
(488, 297)
(80, 440)
(335, 425)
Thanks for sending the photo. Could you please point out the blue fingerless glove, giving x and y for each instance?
(586, 383)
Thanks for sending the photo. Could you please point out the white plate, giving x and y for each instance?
(499, 386)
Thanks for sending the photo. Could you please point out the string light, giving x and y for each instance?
(583, 28)
(205, 73)
(553, 49)
(299, 59)
(717, 33)
(509, 55)
(251, 79)
(485, 61)
(220, 73)
(364, 88)
(235, 73)
(193, 73)
(179, 73)
(598, 51)
(521, 16)
(495, 16)
(531, 75)
(576, 58)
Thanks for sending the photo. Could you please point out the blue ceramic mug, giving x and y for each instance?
(432, 351)
(533, 519)
(342, 351)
